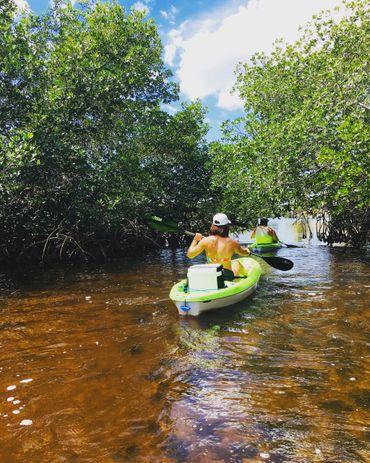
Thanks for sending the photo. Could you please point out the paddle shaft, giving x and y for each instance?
(279, 263)
(161, 225)
(193, 234)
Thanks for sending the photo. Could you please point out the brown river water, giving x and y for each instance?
(96, 365)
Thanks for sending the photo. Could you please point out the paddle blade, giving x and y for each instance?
(278, 262)
(291, 245)
(160, 225)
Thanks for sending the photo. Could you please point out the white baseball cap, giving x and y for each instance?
(220, 219)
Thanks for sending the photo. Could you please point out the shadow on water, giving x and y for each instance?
(97, 365)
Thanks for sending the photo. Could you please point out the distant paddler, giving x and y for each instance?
(264, 234)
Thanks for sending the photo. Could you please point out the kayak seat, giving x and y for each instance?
(228, 274)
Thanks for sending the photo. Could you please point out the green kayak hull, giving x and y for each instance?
(199, 301)
(264, 247)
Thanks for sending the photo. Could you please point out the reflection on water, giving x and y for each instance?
(97, 366)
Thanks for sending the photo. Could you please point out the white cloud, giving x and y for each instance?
(228, 100)
(170, 108)
(73, 2)
(207, 49)
(170, 53)
(170, 15)
(140, 6)
(22, 5)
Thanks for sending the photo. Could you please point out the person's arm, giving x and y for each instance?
(196, 246)
(274, 235)
(253, 234)
(241, 250)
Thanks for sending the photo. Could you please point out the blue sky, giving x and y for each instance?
(205, 39)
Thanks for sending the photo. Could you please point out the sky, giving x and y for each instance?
(205, 39)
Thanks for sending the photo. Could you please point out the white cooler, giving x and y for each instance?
(203, 277)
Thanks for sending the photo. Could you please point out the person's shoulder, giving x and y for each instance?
(207, 239)
(233, 242)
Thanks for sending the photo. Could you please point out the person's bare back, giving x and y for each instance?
(218, 249)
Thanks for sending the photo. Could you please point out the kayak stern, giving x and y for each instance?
(194, 303)
(270, 247)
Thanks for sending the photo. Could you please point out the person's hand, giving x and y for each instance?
(198, 237)
(247, 250)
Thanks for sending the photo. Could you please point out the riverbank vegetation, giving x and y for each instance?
(87, 150)
(303, 144)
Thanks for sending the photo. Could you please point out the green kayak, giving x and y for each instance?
(268, 247)
(190, 299)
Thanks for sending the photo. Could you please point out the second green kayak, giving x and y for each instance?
(268, 247)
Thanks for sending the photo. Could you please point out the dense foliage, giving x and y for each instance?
(302, 146)
(85, 149)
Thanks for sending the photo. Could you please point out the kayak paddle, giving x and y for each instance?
(290, 245)
(158, 224)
